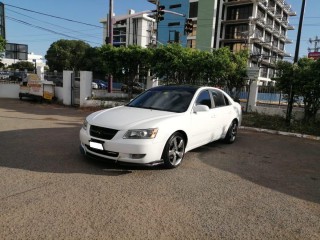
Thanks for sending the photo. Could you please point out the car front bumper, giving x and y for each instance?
(136, 151)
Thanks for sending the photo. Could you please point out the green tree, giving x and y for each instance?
(66, 55)
(93, 61)
(168, 63)
(308, 86)
(3, 43)
(302, 80)
(286, 82)
(126, 62)
(22, 65)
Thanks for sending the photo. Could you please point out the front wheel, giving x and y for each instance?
(173, 151)
(232, 132)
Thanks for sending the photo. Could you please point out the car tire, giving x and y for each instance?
(232, 132)
(173, 151)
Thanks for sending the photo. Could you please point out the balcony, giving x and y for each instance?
(288, 10)
(235, 21)
(290, 27)
(239, 2)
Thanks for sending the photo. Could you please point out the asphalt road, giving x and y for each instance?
(261, 187)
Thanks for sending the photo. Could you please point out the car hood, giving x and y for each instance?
(122, 118)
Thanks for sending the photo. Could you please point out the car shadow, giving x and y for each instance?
(286, 164)
(54, 150)
(45, 108)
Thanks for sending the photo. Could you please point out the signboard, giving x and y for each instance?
(17, 51)
(314, 55)
(253, 72)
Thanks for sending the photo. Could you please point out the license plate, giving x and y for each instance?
(96, 145)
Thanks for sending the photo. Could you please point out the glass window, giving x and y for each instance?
(193, 12)
(204, 99)
(218, 98)
(239, 12)
(175, 6)
(236, 31)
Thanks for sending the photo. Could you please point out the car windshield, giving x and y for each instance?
(164, 99)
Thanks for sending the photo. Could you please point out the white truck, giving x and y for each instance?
(33, 87)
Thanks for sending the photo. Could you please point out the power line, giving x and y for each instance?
(48, 30)
(49, 15)
(68, 29)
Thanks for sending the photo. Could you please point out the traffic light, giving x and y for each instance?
(188, 27)
(160, 13)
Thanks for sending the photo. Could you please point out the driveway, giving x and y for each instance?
(261, 187)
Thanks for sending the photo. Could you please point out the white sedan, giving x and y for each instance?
(161, 125)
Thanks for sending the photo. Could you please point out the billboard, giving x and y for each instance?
(314, 55)
(16, 51)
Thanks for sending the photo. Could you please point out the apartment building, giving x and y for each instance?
(131, 29)
(258, 25)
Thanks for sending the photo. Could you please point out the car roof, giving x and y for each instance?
(177, 87)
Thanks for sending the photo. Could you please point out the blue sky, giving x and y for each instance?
(91, 11)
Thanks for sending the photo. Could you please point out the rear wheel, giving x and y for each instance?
(232, 132)
(173, 152)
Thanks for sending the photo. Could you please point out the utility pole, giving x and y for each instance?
(295, 60)
(315, 41)
(111, 22)
(110, 80)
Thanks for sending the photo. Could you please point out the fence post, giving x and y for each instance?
(253, 95)
(67, 88)
(85, 86)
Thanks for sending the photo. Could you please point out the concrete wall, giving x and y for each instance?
(9, 90)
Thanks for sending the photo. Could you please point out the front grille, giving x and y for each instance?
(103, 133)
(103, 152)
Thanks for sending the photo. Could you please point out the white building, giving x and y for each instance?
(132, 29)
(33, 58)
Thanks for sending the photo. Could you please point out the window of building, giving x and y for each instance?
(272, 3)
(275, 42)
(236, 31)
(258, 32)
(239, 12)
(175, 6)
(174, 24)
(269, 20)
(266, 54)
(193, 10)
(261, 13)
(256, 49)
(191, 43)
(278, 10)
(264, 72)
(271, 72)
(281, 45)
(267, 38)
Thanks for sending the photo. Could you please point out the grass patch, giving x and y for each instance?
(278, 123)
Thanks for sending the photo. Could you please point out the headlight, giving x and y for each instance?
(141, 133)
(85, 124)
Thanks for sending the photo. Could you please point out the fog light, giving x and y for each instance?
(137, 156)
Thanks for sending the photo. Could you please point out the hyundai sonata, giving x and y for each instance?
(161, 125)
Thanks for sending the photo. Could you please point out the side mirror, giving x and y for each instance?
(200, 108)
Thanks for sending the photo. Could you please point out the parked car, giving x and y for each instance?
(17, 76)
(137, 87)
(99, 84)
(161, 125)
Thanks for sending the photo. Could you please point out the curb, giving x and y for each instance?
(298, 135)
